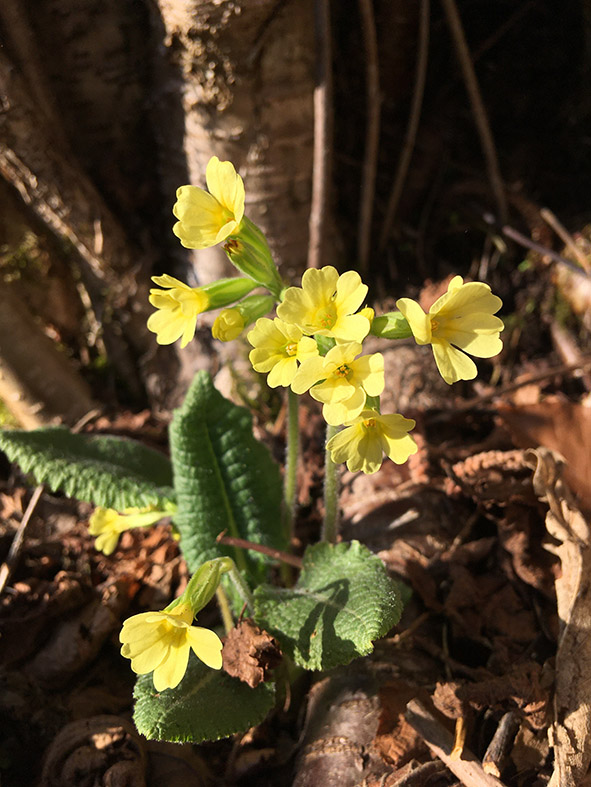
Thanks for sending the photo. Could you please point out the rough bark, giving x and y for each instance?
(37, 383)
(244, 76)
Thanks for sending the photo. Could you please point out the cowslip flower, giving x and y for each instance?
(365, 440)
(107, 524)
(279, 348)
(228, 325)
(325, 305)
(178, 305)
(461, 319)
(206, 218)
(160, 642)
(341, 381)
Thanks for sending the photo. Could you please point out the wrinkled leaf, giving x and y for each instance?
(207, 705)
(108, 471)
(342, 602)
(224, 478)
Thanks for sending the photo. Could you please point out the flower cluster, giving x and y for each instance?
(315, 342)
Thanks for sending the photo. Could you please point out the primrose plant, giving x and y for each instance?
(220, 479)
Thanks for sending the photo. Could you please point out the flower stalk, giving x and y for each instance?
(331, 492)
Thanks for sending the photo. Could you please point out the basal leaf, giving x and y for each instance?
(207, 705)
(342, 602)
(105, 470)
(224, 478)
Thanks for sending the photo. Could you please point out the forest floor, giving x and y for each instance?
(483, 526)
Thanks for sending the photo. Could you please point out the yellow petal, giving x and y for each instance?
(169, 281)
(351, 328)
(351, 292)
(419, 322)
(167, 326)
(226, 186)
(308, 374)
(477, 334)
(453, 364)
(206, 645)
(470, 298)
(339, 413)
(282, 373)
(172, 669)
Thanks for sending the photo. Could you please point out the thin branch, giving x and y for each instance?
(480, 116)
(322, 155)
(276, 554)
(17, 542)
(565, 237)
(584, 363)
(468, 769)
(413, 123)
(372, 133)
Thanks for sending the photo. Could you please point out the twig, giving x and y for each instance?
(584, 363)
(501, 740)
(413, 124)
(565, 237)
(468, 770)
(528, 243)
(460, 733)
(480, 116)
(322, 155)
(276, 554)
(372, 133)
(17, 542)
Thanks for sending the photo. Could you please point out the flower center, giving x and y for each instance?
(369, 423)
(327, 318)
(291, 348)
(342, 371)
(434, 325)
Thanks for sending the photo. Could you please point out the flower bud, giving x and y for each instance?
(392, 325)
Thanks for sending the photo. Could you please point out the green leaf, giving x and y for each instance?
(224, 478)
(108, 471)
(342, 602)
(207, 705)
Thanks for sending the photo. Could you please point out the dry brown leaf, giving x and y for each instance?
(570, 733)
(561, 426)
(250, 653)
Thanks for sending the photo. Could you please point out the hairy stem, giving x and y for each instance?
(291, 463)
(331, 494)
(225, 611)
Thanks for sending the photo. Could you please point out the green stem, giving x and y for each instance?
(292, 446)
(225, 611)
(242, 589)
(331, 493)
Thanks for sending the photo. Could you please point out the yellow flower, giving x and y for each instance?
(346, 380)
(180, 305)
(325, 303)
(178, 308)
(278, 348)
(205, 219)
(160, 642)
(107, 524)
(228, 325)
(364, 441)
(462, 318)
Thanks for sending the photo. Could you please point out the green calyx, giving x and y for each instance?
(249, 251)
(392, 325)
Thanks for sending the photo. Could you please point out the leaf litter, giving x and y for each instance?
(489, 539)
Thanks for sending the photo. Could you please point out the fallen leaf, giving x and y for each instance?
(250, 653)
(562, 426)
(570, 732)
